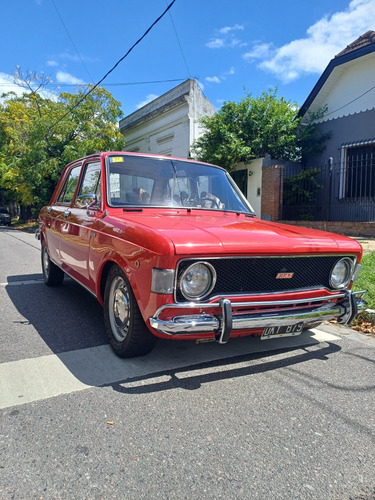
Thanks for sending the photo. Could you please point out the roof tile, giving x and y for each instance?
(365, 39)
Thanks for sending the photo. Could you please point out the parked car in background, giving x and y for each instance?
(5, 217)
(172, 249)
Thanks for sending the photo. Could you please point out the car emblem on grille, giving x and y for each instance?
(284, 276)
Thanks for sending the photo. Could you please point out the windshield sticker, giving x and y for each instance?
(116, 159)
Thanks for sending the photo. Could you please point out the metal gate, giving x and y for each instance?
(340, 191)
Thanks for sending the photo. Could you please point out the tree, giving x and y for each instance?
(250, 129)
(41, 133)
(310, 138)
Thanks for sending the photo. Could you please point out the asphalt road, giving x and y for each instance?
(280, 419)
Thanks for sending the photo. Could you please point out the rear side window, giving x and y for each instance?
(67, 192)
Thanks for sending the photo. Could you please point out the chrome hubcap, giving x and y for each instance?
(45, 262)
(120, 310)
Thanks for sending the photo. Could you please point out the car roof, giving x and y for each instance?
(143, 155)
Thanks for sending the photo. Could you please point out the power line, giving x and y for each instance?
(123, 84)
(179, 44)
(115, 66)
(115, 84)
(350, 102)
(71, 40)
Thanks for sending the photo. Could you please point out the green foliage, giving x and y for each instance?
(299, 191)
(366, 279)
(249, 129)
(310, 139)
(302, 187)
(39, 135)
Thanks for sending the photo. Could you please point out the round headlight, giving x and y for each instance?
(341, 273)
(197, 280)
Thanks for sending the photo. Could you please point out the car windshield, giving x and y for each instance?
(144, 181)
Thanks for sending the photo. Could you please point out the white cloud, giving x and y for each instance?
(149, 98)
(216, 43)
(63, 77)
(52, 63)
(259, 51)
(212, 79)
(230, 72)
(77, 58)
(225, 38)
(228, 29)
(324, 39)
(7, 85)
(223, 76)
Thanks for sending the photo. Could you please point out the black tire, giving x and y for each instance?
(312, 325)
(126, 330)
(52, 275)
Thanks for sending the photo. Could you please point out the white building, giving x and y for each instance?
(169, 124)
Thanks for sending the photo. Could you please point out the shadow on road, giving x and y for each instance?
(66, 318)
(70, 322)
(190, 378)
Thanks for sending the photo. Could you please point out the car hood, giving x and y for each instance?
(228, 233)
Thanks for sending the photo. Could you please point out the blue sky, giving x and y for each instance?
(231, 47)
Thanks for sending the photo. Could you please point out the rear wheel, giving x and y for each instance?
(53, 275)
(126, 330)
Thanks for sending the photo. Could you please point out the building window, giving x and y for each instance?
(357, 179)
(165, 144)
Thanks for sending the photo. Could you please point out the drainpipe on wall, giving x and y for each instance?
(329, 189)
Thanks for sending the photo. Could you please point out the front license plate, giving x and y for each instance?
(273, 332)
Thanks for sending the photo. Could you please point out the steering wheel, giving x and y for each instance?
(87, 200)
(214, 203)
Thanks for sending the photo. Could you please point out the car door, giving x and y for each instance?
(79, 219)
(55, 217)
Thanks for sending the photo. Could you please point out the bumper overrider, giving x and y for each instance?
(343, 306)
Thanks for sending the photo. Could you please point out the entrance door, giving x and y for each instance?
(240, 178)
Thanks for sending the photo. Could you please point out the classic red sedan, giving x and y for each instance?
(171, 248)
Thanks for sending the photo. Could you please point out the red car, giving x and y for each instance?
(172, 249)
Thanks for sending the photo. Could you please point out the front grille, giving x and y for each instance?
(251, 275)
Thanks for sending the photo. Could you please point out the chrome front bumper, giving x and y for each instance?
(343, 306)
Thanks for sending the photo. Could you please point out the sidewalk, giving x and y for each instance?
(368, 244)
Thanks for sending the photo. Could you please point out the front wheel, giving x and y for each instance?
(52, 275)
(126, 330)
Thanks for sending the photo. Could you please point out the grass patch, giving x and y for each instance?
(366, 279)
(29, 225)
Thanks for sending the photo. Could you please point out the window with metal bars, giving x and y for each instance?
(358, 172)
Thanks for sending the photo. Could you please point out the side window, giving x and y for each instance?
(357, 173)
(67, 192)
(90, 189)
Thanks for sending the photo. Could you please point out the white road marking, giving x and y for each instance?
(34, 379)
(25, 282)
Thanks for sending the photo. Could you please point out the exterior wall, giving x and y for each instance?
(346, 92)
(169, 124)
(167, 133)
(254, 183)
(198, 107)
(265, 186)
(348, 129)
(349, 119)
(272, 195)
